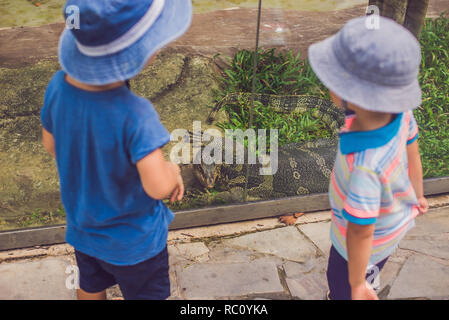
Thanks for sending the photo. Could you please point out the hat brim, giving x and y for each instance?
(363, 93)
(172, 23)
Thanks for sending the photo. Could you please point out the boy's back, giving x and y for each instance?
(107, 144)
(99, 137)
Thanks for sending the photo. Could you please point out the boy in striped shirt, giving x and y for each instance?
(376, 187)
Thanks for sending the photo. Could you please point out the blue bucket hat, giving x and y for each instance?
(116, 38)
(373, 68)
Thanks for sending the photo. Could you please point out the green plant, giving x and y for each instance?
(60, 212)
(291, 127)
(34, 218)
(39, 217)
(433, 114)
(277, 73)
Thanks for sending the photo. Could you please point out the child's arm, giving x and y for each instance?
(359, 239)
(416, 175)
(49, 142)
(160, 179)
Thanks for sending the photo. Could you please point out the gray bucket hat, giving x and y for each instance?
(375, 69)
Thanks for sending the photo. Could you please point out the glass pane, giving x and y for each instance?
(202, 81)
(182, 83)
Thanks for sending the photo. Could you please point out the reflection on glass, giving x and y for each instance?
(308, 5)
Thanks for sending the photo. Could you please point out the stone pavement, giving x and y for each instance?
(261, 259)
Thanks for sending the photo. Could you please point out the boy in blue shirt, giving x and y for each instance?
(107, 144)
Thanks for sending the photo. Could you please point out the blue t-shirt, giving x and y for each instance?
(99, 137)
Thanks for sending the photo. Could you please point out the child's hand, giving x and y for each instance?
(423, 206)
(363, 292)
(178, 193)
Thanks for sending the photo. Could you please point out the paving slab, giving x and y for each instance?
(434, 222)
(437, 247)
(312, 286)
(220, 280)
(297, 270)
(43, 279)
(421, 276)
(195, 251)
(430, 235)
(319, 233)
(174, 288)
(221, 253)
(390, 271)
(287, 243)
(388, 274)
(307, 281)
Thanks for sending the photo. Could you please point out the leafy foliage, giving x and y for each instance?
(433, 115)
(284, 73)
(279, 74)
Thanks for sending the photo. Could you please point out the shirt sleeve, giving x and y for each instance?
(412, 129)
(362, 202)
(146, 135)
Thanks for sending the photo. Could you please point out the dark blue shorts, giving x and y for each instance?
(338, 277)
(147, 280)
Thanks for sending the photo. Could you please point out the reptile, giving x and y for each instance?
(321, 108)
(303, 168)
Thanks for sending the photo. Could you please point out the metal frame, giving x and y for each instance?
(14, 239)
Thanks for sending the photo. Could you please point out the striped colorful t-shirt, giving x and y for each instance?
(370, 184)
